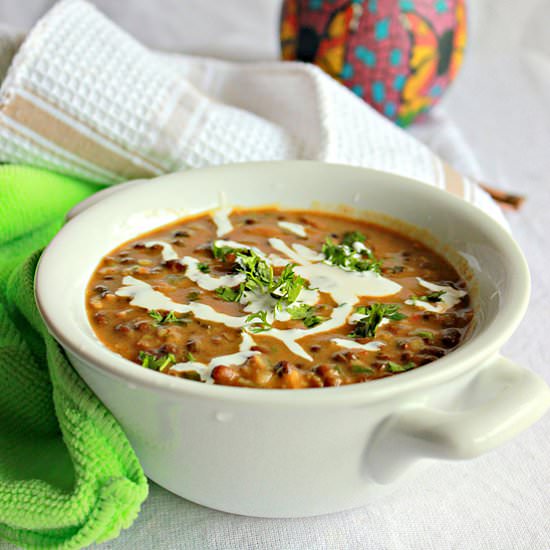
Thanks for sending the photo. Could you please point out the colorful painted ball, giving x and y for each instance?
(398, 55)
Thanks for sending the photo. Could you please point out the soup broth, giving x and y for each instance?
(277, 299)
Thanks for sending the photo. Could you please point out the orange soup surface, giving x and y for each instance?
(277, 299)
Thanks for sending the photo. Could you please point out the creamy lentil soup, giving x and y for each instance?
(277, 299)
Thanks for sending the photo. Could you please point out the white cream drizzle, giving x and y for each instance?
(206, 281)
(168, 252)
(289, 337)
(232, 360)
(356, 317)
(449, 299)
(359, 247)
(220, 216)
(295, 228)
(145, 296)
(350, 344)
(235, 244)
(299, 253)
(342, 285)
(345, 287)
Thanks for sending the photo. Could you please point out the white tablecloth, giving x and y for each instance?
(495, 124)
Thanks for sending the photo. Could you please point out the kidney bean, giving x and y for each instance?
(123, 328)
(261, 349)
(168, 348)
(142, 326)
(101, 318)
(450, 337)
(174, 266)
(192, 345)
(225, 375)
(329, 375)
(434, 350)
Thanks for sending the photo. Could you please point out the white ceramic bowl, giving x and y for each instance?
(289, 453)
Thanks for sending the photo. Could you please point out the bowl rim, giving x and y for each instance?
(474, 352)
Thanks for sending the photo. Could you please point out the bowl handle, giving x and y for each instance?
(518, 398)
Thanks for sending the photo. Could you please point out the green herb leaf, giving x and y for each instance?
(157, 316)
(424, 334)
(361, 369)
(306, 313)
(432, 297)
(374, 314)
(170, 317)
(261, 324)
(205, 268)
(260, 277)
(345, 257)
(193, 296)
(288, 285)
(229, 294)
(220, 252)
(190, 357)
(150, 361)
(353, 237)
(396, 367)
(313, 321)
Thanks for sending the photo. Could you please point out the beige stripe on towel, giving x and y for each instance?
(30, 115)
(454, 182)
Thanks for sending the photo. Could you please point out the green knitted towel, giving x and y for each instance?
(68, 476)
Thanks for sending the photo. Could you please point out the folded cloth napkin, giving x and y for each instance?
(84, 99)
(68, 476)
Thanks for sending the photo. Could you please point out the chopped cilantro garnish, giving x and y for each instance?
(432, 297)
(258, 322)
(424, 334)
(205, 268)
(374, 314)
(345, 257)
(193, 296)
(170, 317)
(288, 285)
(260, 278)
(157, 316)
(259, 274)
(306, 313)
(361, 369)
(230, 295)
(396, 367)
(353, 237)
(149, 361)
(220, 252)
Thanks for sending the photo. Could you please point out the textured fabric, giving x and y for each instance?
(68, 475)
(85, 99)
(498, 107)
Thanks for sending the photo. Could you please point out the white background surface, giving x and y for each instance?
(500, 105)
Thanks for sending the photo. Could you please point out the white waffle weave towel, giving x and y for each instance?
(84, 98)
